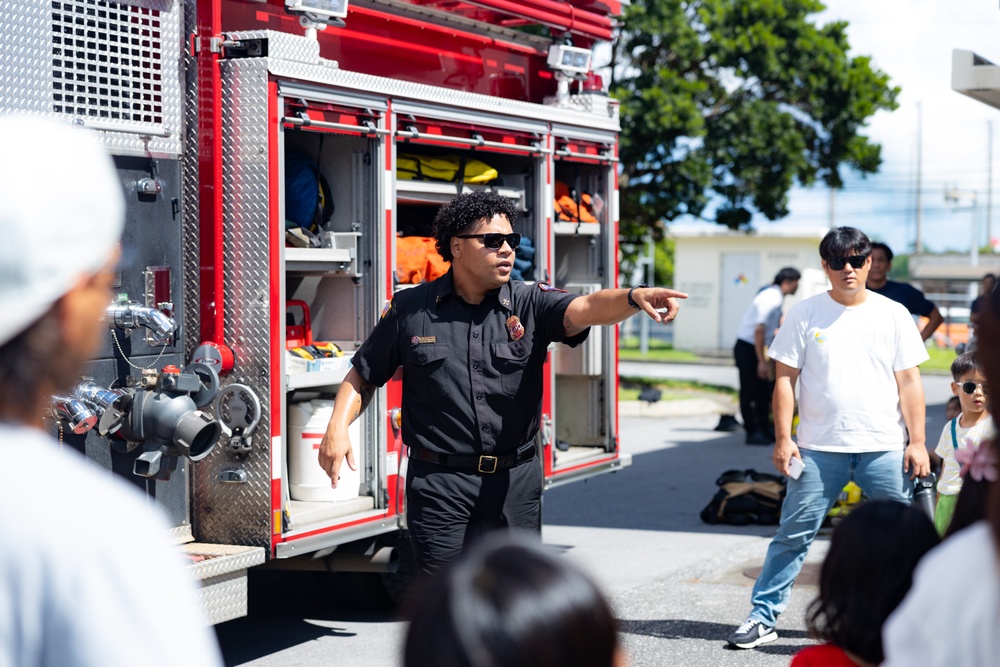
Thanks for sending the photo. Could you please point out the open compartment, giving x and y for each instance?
(330, 195)
(583, 263)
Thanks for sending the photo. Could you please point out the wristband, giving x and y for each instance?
(632, 302)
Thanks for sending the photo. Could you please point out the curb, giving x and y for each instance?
(690, 407)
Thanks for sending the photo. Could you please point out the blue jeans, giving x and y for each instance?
(809, 499)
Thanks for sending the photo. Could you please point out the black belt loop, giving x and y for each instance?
(484, 465)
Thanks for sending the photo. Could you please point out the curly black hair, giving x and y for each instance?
(867, 573)
(466, 210)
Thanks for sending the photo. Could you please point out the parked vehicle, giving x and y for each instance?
(244, 293)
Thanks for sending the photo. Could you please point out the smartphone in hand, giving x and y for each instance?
(795, 467)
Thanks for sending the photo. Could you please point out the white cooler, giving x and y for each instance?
(307, 423)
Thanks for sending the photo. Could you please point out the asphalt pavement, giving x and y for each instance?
(679, 586)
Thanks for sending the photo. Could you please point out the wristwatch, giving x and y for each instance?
(631, 301)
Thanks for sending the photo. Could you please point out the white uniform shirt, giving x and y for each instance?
(88, 576)
(761, 311)
(848, 397)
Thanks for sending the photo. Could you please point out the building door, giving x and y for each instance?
(740, 282)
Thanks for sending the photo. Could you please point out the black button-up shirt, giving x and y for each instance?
(472, 374)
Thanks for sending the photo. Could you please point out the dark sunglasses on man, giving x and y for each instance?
(838, 263)
(495, 241)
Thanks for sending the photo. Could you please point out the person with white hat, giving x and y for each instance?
(89, 576)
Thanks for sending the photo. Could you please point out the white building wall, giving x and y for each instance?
(698, 270)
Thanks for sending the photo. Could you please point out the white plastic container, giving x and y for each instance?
(307, 423)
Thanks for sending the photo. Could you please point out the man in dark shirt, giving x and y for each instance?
(908, 295)
(471, 345)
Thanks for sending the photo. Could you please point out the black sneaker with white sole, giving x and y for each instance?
(752, 633)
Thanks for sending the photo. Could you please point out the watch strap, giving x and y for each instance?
(631, 301)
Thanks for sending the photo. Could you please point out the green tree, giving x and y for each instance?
(726, 104)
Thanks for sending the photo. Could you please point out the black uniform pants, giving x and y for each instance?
(447, 509)
(755, 393)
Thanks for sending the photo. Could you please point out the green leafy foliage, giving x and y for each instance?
(727, 104)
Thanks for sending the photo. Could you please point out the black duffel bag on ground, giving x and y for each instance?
(745, 497)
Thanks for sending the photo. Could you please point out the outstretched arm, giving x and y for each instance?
(353, 397)
(610, 306)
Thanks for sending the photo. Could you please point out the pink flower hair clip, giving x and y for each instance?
(977, 462)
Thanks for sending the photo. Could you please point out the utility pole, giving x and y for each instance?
(989, 183)
(919, 248)
(833, 196)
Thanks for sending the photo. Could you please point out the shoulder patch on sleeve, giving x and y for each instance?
(545, 287)
(386, 308)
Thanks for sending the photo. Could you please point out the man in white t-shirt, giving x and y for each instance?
(88, 575)
(855, 357)
(754, 334)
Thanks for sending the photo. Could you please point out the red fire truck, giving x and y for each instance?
(236, 318)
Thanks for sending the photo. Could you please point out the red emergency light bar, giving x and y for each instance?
(586, 18)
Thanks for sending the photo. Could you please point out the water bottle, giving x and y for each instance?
(924, 491)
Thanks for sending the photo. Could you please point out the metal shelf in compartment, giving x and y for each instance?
(576, 228)
(433, 191)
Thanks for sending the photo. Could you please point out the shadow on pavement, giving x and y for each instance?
(663, 489)
(290, 608)
(683, 629)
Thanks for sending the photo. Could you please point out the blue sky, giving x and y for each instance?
(912, 41)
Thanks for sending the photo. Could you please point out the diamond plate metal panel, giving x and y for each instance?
(224, 597)
(190, 196)
(241, 513)
(222, 558)
(284, 45)
(111, 66)
(282, 61)
(223, 578)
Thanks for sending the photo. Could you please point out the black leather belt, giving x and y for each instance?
(485, 464)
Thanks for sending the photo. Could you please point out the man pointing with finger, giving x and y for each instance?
(855, 357)
(472, 346)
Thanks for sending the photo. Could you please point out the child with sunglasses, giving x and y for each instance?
(963, 435)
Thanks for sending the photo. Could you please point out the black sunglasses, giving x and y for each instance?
(838, 263)
(970, 387)
(495, 240)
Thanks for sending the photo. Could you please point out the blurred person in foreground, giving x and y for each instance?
(855, 357)
(89, 577)
(952, 614)
(865, 575)
(507, 601)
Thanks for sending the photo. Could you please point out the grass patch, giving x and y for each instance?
(940, 361)
(659, 350)
(673, 390)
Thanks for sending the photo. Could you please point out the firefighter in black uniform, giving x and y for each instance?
(471, 345)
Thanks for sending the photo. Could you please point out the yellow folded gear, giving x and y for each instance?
(410, 167)
(329, 349)
(302, 352)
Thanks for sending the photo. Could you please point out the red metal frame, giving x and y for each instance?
(209, 20)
